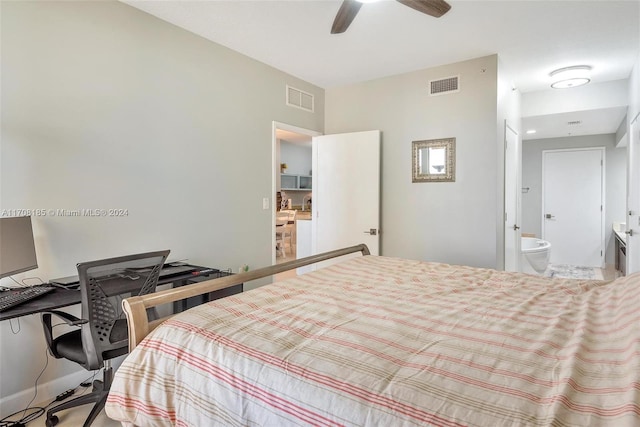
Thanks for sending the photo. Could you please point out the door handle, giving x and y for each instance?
(515, 227)
(629, 232)
(549, 216)
(372, 232)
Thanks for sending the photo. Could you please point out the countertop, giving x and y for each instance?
(303, 215)
(619, 230)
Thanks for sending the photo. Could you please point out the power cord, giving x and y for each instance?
(38, 411)
(22, 284)
(17, 328)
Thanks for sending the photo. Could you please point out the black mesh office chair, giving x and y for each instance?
(102, 333)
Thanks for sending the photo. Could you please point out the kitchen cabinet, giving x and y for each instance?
(293, 182)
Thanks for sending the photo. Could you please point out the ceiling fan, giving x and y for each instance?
(350, 8)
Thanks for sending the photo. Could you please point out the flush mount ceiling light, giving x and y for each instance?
(531, 131)
(568, 77)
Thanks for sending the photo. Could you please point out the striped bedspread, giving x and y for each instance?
(378, 341)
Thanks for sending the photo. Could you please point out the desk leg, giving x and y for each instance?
(181, 305)
(185, 304)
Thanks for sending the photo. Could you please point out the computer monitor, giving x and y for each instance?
(17, 247)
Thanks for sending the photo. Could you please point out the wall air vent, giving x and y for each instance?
(444, 86)
(574, 122)
(300, 99)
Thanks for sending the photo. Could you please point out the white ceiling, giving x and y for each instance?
(532, 38)
(293, 137)
(574, 123)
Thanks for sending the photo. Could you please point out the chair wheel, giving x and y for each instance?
(52, 421)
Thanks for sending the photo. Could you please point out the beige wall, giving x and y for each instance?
(447, 222)
(104, 106)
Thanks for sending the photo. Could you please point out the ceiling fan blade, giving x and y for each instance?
(435, 8)
(348, 10)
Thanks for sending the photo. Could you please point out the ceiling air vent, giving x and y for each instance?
(444, 86)
(300, 99)
(574, 123)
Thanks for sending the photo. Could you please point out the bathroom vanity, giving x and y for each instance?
(621, 249)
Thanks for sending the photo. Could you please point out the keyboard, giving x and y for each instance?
(16, 296)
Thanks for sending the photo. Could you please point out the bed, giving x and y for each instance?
(382, 341)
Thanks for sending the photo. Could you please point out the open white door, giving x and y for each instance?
(512, 191)
(346, 191)
(633, 197)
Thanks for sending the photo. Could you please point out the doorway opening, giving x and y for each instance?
(292, 188)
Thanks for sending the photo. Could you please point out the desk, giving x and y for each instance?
(64, 297)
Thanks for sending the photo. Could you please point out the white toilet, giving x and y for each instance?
(535, 255)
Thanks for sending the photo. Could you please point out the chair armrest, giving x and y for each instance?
(69, 319)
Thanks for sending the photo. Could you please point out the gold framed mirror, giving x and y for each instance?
(434, 160)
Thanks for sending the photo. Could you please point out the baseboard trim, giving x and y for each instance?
(46, 392)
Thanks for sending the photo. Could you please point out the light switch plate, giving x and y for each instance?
(265, 203)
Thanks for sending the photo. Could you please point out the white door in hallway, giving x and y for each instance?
(346, 191)
(572, 205)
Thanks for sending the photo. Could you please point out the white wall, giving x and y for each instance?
(633, 165)
(615, 184)
(297, 157)
(104, 106)
(447, 222)
(621, 133)
(593, 96)
(634, 91)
